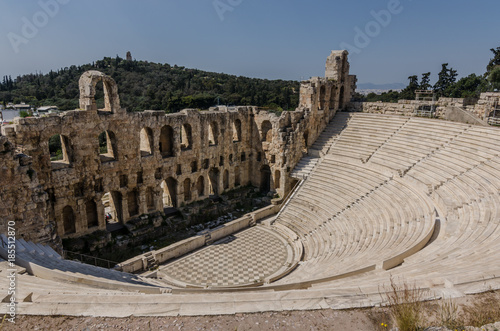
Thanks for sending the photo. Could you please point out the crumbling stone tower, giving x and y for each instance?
(335, 90)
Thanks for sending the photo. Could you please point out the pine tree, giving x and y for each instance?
(425, 82)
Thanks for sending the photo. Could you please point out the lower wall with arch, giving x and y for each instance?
(119, 165)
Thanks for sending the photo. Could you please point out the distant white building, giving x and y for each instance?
(47, 109)
(42, 111)
(20, 106)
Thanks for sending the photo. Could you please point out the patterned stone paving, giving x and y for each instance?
(243, 258)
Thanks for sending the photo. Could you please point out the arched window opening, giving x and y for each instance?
(113, 211)
(237, 179)
(107, 146)
(187, 189)
(341, 98)
(265, 179)
(200, 186)
(186, 137)
(167, 141)
(60, 150)
(322, 97)
(68, 218)
(236, 130)
(91, 210)
(333, 97)
(267, 132)
(97, 91)
(194, 166)
(150, 199)
(169, 188)
(213, 134)
(99, 96)
(225, 179)
(213, 175)
(146, 143)
(133, 205)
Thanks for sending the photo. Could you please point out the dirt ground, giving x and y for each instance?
(296, 320)
(334, 320)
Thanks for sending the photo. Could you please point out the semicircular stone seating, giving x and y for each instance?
(389, 196)
(453, 168)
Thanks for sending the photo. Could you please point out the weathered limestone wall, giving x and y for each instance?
(486, 103)
(444, 106)
(482, 109)
(153, 160)
(23, 202)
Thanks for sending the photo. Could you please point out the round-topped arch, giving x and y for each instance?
(87, 84)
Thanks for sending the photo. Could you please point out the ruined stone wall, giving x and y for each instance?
(153, 160)
(486, 103)
(23, 201)
(482, 109)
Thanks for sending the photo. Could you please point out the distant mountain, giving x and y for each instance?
(371, 86)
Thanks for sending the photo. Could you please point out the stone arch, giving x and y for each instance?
(266, 131)
(186, 136)
(213, 133)
(341, 98)
(150, 199)
(200, 186)
(213, 175)
(237, 176)
(146, 144)
(169, 187)
(107, 146)
(187, 189)
(60, 150)
(333, 97)
(132, 203)
(237, 130)
(225, 180)
(265, 179)
(167, 141)
(91, 211)
(68, 220)
(322, 97)
(113, 210)
(277, 179)
(87, 85)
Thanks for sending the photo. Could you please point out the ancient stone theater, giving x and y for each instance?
(361, 192)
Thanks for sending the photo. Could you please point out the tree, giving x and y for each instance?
(470, 86)
(495, 61)
(494, 77)
(409, 92)
(425, 82)
(446, 78)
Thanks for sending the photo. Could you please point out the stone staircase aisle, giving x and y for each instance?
(321, 146)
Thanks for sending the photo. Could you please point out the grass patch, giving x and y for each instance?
(405, 305)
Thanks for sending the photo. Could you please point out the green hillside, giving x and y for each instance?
(151, 86)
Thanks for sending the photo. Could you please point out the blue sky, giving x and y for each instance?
(257, 38)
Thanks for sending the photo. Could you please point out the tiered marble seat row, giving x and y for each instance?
(343, 213)
(461, 165)
(365, 134)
